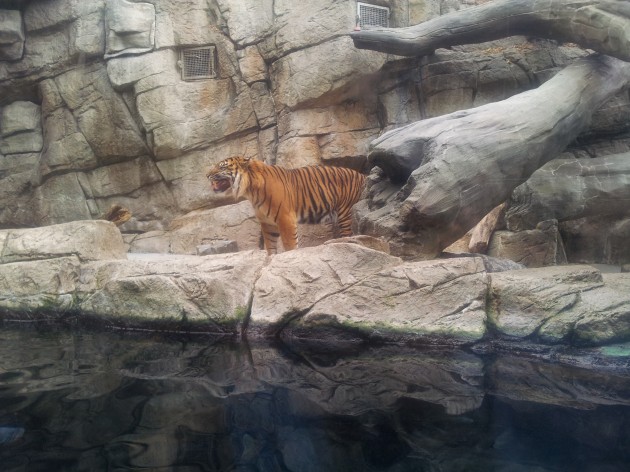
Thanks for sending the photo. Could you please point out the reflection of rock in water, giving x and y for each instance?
(106, 402)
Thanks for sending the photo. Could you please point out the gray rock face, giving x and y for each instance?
(453, 177)
(120, 123)
(331, 293)
(87, 240)
(11, 35)
(570, 189)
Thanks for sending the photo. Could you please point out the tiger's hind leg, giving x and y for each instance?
(270, 236)
(343, 226)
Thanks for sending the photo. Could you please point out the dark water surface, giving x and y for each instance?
(115, 401)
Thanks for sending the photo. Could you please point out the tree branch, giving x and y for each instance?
(601, 25)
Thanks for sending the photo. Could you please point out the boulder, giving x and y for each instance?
(35, 286)
(180, 292)
(565, 304)
(352, 289)
(86, 240)
(538, 247)
(602, 240)
(570, 189)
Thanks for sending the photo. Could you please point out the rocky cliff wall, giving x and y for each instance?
(112, 101)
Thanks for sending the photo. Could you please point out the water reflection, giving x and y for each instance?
(113, 402)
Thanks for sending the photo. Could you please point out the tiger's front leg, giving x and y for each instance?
(270, 235)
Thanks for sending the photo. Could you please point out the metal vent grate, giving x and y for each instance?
(372, 15)
(198, 63)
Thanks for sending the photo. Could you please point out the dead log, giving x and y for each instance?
(482, 232)
(459, 166)
(601, 25)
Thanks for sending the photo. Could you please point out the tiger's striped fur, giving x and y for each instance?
(282, 198)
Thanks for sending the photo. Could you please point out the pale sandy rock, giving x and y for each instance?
(212, 293)
(194, 114)
(123, 178)
(312, 23)
(83, 22)
(145, 71)
(370, 242)
(11, 35)
(20, 128)
(34, 286)
(523, 301)
(268, 145)
(248, 22)
(252, 65)
(87, 240)
(298, 152)
(60, 199)
(156, 242)
(66, 147)
(290, 285)
(101, 114)
(301, 79)
(533, 248)
(187, 22)
(130, 27)
(263, 105)
(235, 222)
(446, 298)
(354, 146)
(339, 118)
(602, 316)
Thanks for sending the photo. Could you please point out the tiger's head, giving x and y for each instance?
(228, 175)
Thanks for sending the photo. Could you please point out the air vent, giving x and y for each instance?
(198, 63)
(372, 15)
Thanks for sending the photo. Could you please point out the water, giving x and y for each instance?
(118, 401)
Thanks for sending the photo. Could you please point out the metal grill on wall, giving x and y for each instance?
(372, 15)
(198, 63)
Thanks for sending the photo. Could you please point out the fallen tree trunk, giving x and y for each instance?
(468, 162)
(601, 25)
(569, 189)
(482, 232)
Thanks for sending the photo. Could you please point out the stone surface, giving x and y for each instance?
(597, 239)
(217, 247)
(289, 89)
(11, 35)
(20, 128)
(443, 298)
(538, 247)
(211, 294)
(334, 293)
(130, 27)
(570, 189)
(447, 192)
(87, 240)
(574, 304)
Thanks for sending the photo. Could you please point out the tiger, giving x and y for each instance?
(283, 197)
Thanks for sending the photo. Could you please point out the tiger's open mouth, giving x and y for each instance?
(220, 185)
